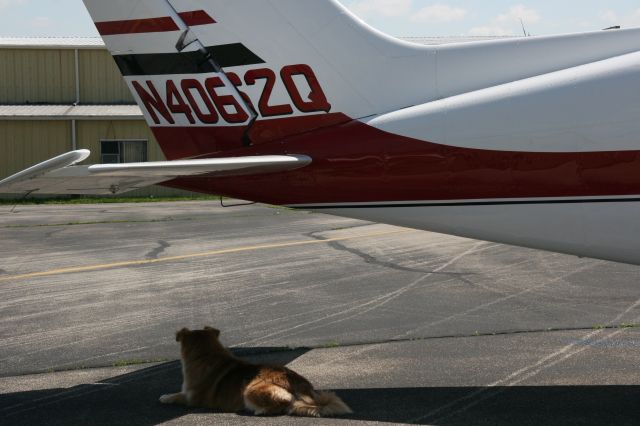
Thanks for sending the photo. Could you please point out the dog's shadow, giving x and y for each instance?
(133, 399)
(126, 399)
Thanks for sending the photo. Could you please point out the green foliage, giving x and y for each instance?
(105, 200)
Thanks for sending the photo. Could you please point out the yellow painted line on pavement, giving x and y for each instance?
(91, 268)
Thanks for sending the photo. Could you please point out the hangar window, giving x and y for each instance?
(130, 151)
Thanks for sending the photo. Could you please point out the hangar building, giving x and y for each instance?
(61, 94)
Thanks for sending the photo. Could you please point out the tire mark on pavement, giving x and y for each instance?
(369, 305)
(525, 373)
(492, 303)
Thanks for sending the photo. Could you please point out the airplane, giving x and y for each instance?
(532, 141)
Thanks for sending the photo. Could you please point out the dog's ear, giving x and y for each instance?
(214, 331)
(180, 334)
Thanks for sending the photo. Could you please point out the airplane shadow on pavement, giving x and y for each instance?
(521, 405)
(133, 399)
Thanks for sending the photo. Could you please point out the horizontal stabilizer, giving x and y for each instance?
(61, 176)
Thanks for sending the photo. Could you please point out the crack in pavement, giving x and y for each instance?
(372, 260)
(156, 252)
(52, 233)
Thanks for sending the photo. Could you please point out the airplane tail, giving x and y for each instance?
(220, 75)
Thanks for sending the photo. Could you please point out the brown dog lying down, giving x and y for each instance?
(214, 378)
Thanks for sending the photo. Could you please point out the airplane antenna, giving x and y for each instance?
(26, 195)
(524, 30)
(183, 42)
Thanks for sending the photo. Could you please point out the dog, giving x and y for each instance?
(216, 379)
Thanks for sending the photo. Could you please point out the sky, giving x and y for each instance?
(20, 18)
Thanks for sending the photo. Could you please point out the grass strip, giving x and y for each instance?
(105, 200)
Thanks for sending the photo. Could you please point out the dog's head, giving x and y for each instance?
(185, 333)
(200, 342)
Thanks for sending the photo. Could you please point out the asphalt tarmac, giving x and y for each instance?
(407, 326)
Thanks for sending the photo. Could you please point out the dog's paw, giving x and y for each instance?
(166, 399)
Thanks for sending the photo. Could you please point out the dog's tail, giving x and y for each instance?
(319, 405)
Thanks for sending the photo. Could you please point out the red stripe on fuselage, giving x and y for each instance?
(191, 142)
(153, 25)
(354, 162)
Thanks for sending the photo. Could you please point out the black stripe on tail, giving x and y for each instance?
(226, 55)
